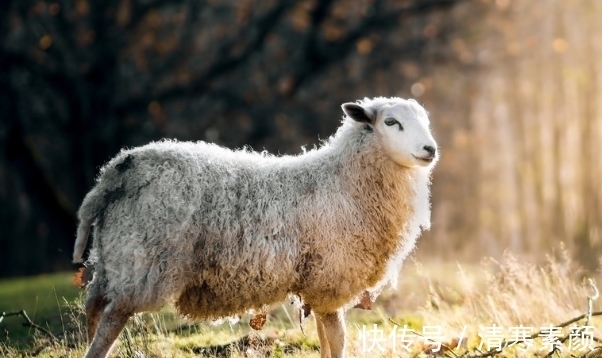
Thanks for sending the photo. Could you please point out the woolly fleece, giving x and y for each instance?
(220, 232)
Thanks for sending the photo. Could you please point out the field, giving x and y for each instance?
(507, 309)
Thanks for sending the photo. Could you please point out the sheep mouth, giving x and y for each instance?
(425, 159)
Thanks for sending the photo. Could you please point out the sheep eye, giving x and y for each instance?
(392, 121)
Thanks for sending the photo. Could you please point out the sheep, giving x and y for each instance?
(219, 232)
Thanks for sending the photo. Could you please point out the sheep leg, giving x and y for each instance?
(334, 331)
(111, 323)
(324, 347)
(95, 305)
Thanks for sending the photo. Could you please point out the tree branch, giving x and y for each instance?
(185, 38)
(29, 323)
(319, 58)
(140, 11)
(259, 29)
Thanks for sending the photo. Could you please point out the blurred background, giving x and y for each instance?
(514, 91)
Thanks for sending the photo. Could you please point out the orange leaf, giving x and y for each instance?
(365, 302)
(258, 321)
(78, 278)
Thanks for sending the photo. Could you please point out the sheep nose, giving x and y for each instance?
(431, 150)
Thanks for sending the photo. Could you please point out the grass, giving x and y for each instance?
(42, 297)
(469, 308)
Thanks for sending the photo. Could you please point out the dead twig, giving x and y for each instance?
(29, 323)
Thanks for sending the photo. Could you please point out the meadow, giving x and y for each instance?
(503, 308)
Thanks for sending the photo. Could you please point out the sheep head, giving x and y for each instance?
(402, 126)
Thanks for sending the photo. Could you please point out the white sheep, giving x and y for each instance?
(219, 232)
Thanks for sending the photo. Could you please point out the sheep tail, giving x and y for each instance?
(96, 201)
(87, 214)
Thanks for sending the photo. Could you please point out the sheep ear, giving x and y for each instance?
(357, 113)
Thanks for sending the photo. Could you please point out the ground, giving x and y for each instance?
(439, 309)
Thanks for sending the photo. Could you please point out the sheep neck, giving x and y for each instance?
(375, 219)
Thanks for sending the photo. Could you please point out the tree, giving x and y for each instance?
(81, 79)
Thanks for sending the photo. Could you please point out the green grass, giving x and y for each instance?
(454, 297)
(42, 297)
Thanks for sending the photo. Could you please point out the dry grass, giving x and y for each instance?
(459, 300)
(513, 293)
